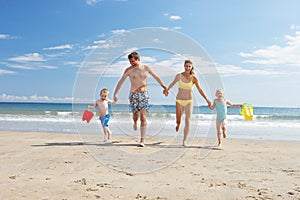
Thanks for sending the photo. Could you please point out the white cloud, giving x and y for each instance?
(175, 17)
(295, 27)
(73, 63)
(30, 57)
(4, 36)
(37, 98)
(119, 31)
(92, 2)
(285, 55)
(47, 67)
(3, 71)
(60, 47)
(177, 27)
(156, 40)
(231, 70)
(99, 42)
(18, 66)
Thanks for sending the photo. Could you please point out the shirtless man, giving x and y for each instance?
(138, 96)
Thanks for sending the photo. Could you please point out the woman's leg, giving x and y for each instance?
(178, 115)
(188, 114)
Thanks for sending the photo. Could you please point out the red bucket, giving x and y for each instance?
(87, 116)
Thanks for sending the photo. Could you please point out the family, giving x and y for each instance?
(139, 99)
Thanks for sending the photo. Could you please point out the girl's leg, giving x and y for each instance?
(188, 113)
(224, 128)
(218, 125)
(178, 116)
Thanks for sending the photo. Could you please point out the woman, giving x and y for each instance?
(184, 99)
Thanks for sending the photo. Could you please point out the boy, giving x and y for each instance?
(104, 116)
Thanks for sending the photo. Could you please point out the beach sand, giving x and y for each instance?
(63, 166)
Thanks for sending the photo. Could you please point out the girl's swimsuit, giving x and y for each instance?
(221, 110)
(186, 86)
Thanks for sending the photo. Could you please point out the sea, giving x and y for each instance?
(269, 123)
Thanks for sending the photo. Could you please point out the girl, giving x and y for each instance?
(221, 106)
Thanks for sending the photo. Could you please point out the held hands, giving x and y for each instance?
(208, 103)
(115, 99)
(166, 92)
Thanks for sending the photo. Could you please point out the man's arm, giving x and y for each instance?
(156, 78)
(120, 83)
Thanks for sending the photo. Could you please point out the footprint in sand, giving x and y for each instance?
(82, 181)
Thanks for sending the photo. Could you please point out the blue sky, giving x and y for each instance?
(255, 45)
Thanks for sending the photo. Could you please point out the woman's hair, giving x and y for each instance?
(134, 55)
(190, 62)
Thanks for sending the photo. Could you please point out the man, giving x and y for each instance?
(138, 96)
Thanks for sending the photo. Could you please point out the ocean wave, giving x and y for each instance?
(35, 118)
(277, 117)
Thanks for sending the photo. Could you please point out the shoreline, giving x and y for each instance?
(39, 165)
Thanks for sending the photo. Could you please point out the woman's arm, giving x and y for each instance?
(200, 90)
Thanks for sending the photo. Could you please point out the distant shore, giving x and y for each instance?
(63, 166)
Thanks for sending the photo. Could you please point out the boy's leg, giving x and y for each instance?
(105, 133)
(108, 133)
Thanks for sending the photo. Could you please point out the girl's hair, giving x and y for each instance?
(190, 62)
(134, 55)
(220, 91)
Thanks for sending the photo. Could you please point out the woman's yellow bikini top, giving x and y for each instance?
(184, 85)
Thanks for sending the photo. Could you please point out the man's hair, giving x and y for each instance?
(134, 55)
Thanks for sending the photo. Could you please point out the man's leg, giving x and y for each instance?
(135, 118)
(143, 125)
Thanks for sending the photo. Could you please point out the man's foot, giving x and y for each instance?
(135, 126)
(105, 140)
(184, 144)
(141, 145)
(224, 132)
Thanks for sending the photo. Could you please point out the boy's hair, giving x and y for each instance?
(134, 55)
(192, 69)
(104, 90)
(221, 91)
